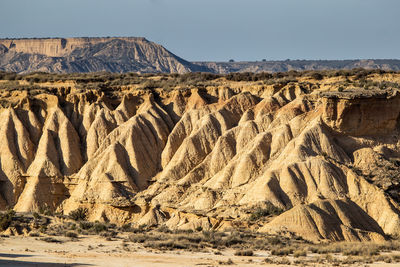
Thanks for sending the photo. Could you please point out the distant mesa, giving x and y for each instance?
(90, 54)
(62, 47)
(137, 54)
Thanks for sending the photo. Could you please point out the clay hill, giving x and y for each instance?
(315, 158)
(134, 54)
(67, 55)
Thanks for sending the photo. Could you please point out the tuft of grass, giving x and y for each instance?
(282, 251)
(299, 253)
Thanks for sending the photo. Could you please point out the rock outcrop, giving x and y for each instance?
(209, 157)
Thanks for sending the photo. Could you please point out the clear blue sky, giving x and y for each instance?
(218, 30)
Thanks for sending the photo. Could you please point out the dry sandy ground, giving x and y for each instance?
(96, 251)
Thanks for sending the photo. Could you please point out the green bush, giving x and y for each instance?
(71, 234)
(50, 240)
(86, 225)
(126, 227)
(269, 209)
(317, 76)
(99, 227)
(282, 251)
(45, 210)
(80, 214)
(6, 219)
(244, 253)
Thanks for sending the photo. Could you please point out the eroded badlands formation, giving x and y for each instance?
(209, 157)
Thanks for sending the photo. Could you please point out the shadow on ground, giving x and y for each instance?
(12, 262)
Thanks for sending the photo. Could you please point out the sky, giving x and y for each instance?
(220, 30)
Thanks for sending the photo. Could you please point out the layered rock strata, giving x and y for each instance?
(209, 158)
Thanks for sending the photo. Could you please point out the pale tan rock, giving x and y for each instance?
(16, 153)
(126, 160)
(207, 158)
(327, 219)
(358, 114)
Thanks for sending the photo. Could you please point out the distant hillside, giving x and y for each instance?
(135, 54)
(90, 55)
(299, 65)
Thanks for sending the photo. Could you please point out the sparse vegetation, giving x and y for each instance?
(267, 210)
(80, 214)
(71, 234)
(126, 227)
(283, 250)
(5, 219)
(317, 76)
(227, 262)
(45, 210)
(243, 242)
(244, 252)
(300, 253)
(111, 84)
(50, 240)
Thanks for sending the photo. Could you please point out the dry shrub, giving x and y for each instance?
(299, 253)
(5, 219)
(228, 262)
(80, 214)
(50, 240)
(244, 253)
(71, 234)
(282, 251)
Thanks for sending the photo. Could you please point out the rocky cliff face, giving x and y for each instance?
(125, 54)
(60, 47)
(209, 157)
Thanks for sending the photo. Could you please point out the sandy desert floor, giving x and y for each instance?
(95, 251)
